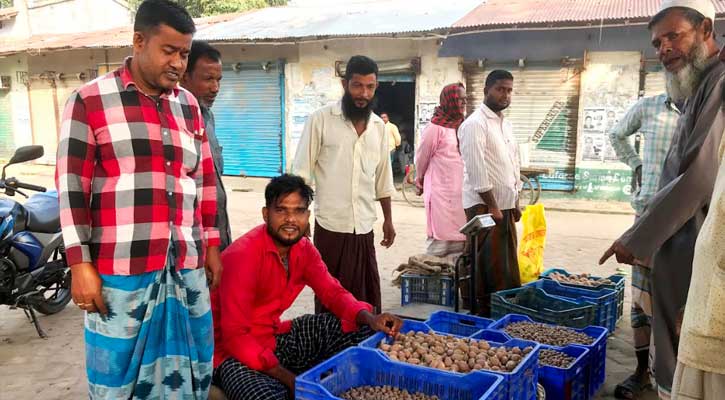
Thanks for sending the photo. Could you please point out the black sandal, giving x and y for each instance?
(631, 388)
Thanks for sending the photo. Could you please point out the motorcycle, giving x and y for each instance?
(34, 274)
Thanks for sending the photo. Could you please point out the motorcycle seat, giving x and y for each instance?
(43, 213)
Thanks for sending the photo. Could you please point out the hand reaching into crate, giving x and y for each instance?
(385, 322)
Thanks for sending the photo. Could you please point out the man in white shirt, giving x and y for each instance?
(490, 186)
(393, 135)
(344, 151)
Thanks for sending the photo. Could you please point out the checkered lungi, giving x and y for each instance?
(641, 311)
(312, 339)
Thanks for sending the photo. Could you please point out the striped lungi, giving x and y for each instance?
(157, 340)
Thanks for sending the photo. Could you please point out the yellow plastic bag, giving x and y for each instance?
(533, 240)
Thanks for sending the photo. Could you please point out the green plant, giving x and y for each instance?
(203, 8)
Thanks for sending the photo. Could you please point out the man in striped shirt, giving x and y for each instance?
(137, 194)
(655, 118)
(490, 186)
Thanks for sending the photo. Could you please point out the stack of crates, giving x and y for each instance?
(519, 384)
(597, 351)
(429, 289)
(367, 365)
(618, 283)
(604, 301)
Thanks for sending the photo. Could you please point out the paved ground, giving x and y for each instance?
(33, 368)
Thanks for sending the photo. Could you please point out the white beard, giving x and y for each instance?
(682, 84)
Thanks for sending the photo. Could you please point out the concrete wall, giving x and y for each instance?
(48, 92)
(74, 61)
(18, 25)
(19, 105)
(311, 81)
(610, 86)
(9, 27)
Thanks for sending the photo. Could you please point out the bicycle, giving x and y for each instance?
(528, 194)
(409, 189)
(531, 185)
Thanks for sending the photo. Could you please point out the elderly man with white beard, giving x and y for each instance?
(664, 237)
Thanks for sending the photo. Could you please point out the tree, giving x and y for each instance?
(203, 8)
(6, 3)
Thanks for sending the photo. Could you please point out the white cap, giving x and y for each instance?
(704, 7)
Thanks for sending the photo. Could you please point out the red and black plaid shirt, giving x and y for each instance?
(134, 172)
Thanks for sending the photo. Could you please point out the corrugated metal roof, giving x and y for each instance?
(108, 38)
(365, 18)
(297, 22)
(542, 12)
(115, 37)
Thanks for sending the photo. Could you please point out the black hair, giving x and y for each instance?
(694, 17)
(497, 75)
(286, 184)
(360, 65)
(152, 13)
(201, 49)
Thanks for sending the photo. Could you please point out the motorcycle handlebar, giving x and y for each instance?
(28, 186)
(16, 184)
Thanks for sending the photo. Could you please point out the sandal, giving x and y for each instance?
(631, 388)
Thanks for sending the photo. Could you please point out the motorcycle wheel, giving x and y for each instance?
(55, 297)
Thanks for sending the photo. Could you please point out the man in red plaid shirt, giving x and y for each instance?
(138, 206)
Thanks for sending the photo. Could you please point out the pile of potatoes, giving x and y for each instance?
(555, 358)
(547, 334)
(383, 393)
(454, 354)
(580, 279)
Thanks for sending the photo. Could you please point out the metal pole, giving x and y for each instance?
(472, 276)
(455, 283)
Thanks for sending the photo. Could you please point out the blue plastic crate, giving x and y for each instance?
(429, 289)
(520, 384)
(542, 307)
(566, 383)
(618, 286)
(357, 366)
(597, 350)
(604, 300)
(457, 323)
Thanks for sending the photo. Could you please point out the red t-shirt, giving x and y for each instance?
(255, 291)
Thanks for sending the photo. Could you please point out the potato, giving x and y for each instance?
(451, 353)
(383, 393)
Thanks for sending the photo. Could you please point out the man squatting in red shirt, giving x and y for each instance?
(257, 356)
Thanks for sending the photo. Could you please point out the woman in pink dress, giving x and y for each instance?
(439, 170)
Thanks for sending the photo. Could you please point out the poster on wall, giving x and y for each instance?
(425, 113)
(594, 120)
(598, 123)
(593, 147)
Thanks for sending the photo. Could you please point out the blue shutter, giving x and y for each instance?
(250, 119)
